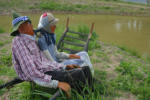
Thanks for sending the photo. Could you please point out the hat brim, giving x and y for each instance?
(55, 21)
(15, 28)
(14, 33)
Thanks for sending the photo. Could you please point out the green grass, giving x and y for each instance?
(56, 6)
(2, 43)
(1, 30)
(71, 7)
(100, 89)
(6, 60)
(66, 7)
(133, 75)
(131, 78)
(131, 51)
(100, 6)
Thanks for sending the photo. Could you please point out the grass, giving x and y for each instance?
(71, 7)
(131, 51)
(132, 79)
(77, 7)
(66, 7)
(6, 60)
(84, 6)
(56, 6)
(131, 74)
(2, 43)
(1, 30)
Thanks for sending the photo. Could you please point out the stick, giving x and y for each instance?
(11, 83)
(57, 94)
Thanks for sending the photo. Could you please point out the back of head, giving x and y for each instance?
(47, 20)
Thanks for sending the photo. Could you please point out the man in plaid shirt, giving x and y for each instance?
(31, 64)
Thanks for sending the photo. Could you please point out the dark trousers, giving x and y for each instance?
(77, 78)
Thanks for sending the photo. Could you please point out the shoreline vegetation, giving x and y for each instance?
(112, 7)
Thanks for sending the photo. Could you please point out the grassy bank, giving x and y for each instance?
(1, 31)
(122, 73)
(76, 6)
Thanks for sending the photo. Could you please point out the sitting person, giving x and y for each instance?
(30, 63)
(47, 43)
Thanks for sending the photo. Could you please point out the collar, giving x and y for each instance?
(28, 36)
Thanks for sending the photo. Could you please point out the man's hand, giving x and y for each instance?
(68, 67)
(73, 56)
(65, 87)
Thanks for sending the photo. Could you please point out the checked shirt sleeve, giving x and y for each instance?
(27, 65)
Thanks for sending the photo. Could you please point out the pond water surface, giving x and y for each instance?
(132, 32)
(137, 1)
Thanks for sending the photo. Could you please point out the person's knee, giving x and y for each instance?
(84, 53)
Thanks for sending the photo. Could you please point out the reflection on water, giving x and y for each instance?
(118, 26)
(129, 25)
(133, 32)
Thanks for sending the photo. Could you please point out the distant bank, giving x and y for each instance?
(117, 7)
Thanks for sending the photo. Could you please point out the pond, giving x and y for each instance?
(137, 1)
(132, 32)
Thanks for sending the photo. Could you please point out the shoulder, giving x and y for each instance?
(41, 39)
(16, 43)
(16, 40)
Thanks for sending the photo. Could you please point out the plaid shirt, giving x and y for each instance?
(29, 62)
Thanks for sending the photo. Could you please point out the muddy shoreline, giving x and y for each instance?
(142, 14)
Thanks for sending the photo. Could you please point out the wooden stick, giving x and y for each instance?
(67, 24)
(57, 94)
(11, 83)
(89, 36)
(91, 30)
(92, 27)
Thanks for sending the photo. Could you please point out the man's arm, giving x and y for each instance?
(61, 55)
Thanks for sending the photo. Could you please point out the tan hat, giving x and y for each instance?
(52, 20)
(47, 19)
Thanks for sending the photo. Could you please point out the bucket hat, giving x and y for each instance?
(17, 21)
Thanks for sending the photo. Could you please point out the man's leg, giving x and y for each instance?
(73, 77)
(87, 73)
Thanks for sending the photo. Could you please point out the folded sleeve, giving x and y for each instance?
(61, 55)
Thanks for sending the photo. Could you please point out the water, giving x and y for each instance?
(132, 32)
(137, 1)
